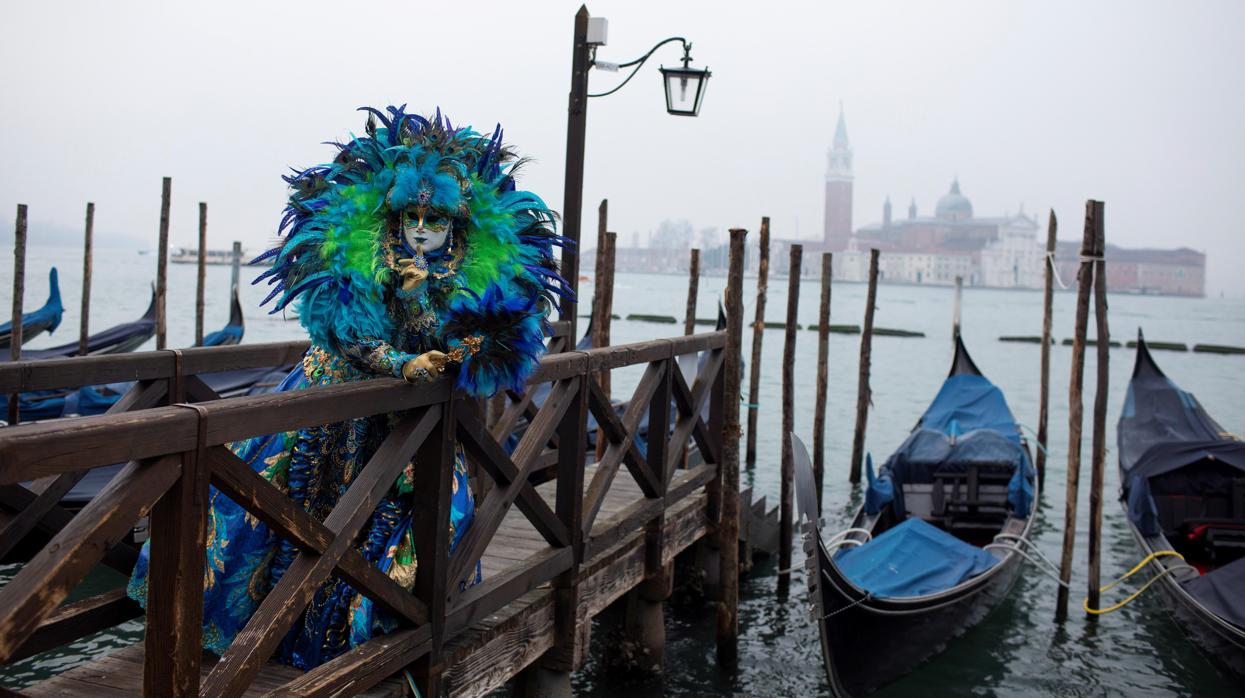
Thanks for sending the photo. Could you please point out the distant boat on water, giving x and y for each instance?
(190, 255)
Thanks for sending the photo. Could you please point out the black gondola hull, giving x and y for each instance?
(867, 643)
(1219, 640)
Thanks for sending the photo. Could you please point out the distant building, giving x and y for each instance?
(1001, 252)
(839, 179)
(1178, 272)
(998, 252)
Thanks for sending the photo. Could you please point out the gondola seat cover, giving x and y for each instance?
(967, 423)
(1166, 458)
(912, 559)
(1220, 591)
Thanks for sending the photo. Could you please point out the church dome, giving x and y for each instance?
(954, 206)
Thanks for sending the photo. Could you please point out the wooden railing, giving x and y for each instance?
(171, 432)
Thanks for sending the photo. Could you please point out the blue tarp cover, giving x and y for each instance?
(967, 403)
(912, 559)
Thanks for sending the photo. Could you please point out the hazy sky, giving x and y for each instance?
(1047, 103)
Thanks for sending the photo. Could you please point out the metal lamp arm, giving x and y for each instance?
(639, 63)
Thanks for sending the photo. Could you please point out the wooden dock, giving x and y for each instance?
(553, 555)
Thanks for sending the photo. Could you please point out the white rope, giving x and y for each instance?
(1054, 270)
(1041, 446)
(854, 604)
(848, 531)
(1043, 563)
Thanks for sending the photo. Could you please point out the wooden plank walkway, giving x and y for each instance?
(497, 647)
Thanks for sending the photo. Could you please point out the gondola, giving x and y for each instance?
(1183, 487)
(934, 547)
(96, 399)
(231, 333)
(34, 323)
(117, 339)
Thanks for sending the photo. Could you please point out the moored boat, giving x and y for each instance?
(117, 339)
(96, 399)
(936, 545)
(1183, 488)
(36, 322)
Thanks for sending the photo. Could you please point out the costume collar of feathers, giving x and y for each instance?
(342, 215)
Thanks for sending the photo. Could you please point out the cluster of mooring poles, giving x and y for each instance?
(162, 261)
(1091, 280)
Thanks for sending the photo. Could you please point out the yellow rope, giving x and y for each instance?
(1148, 559)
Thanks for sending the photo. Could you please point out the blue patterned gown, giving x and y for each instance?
(314, 467)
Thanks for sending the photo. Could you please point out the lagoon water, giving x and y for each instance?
(1017, 651)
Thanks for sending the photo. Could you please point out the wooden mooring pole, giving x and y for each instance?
(1085, 278)
(728, 469)
(84, 326)
(1099, 455)
(601, 323)
(758, 329)
(693, 288)
(955, 317)
(19, 290)
(863, 393)
(788, 420)
(162, 265)
(237, 265)
(598, 269)
(689, 326)
(823, 379)
(202, 280)
(1047, 309)
(600, 311)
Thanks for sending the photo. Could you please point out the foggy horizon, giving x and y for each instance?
(1042, 105)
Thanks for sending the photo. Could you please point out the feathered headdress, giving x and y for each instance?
(331, 256)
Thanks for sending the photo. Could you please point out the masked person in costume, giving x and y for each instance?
(410, 255)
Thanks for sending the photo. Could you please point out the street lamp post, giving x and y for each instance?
(684, 88)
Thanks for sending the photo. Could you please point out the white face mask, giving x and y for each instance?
(423, 235)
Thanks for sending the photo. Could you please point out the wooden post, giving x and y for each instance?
(84, 325)
(728, 473)
(1085, 279)
(823, 356)
(689, 320)
(1099, 455)
(693, 287)
(1047, 309)
(162, 265)
(434, 465)
(788, 420)
(199, 287)
(19, 290)
(570, 628)
(955, 319)
(175, 587)
(237, 265)
(573, 181)
(604, 314)
(598, 271)
(758, 329)
(863, 393)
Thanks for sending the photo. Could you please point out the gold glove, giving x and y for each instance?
(412, 276)
(425, 367)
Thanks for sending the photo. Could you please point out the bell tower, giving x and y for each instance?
(839, 189)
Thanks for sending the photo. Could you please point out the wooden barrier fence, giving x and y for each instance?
(172, 431)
